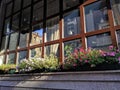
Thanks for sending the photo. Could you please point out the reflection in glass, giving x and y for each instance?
(22, 55)
(11, 58)
(96, 16)
(2, 59)
(25, 18)
(26, 3)
(118, 37)
(69, 3)
(116, 11)
(99, 41)
(37, 34)
(36, 52)
(9, 9)
(7, 26)
(73, 44)
(17, 5)
(71, 23)
(38, 11)
(4, 43)
(13, 41)
(52, 7)
(24, 39)
(52, 29)
(15, 22)
(52, 49)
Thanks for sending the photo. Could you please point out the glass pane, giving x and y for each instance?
(13, 41)
(71, 23)
(52, 29)
(2, 59)
(118, 38)
(17, 5)
(116, 11)
(96, 16)
(15, 22)
(99, 41)
(36, 52)
(11, 58)
(69, 3)
(25, 19)
(7, 26)
(37, 34)
(24, 39)
(52, 7)
(52, 49)
(38, 11)
(72, 44)
(4, 43)
(26, 3)
(9, 9)
(22, 55)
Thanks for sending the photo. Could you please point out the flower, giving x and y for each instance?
(119, 59)
(111, 47)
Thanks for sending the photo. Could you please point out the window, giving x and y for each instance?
(17, 5)
(36, 52)
(96, 16)
(52, 7)
(4, 43)
(7, 26)
(24, 39)
(15, 22)
(52, 29)
(37, 34)
(26, 3)
(116, 11)
(13, 41)
(52, 49)
(69, 3)
(22, 55)
(25, 19)
(118, 37)
(71, 23)
(99, 41)
(11, 58)
(38, 11)
(72, 44)
(9, 9)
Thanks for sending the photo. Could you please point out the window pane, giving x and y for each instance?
(25, 19)
(73, 44)
(17, 5)
(52, 49)
(22, 55)
(52, 7)
(4, 43)
(15, 22)
(118, 38)
(2, 59)
(36, 52)
(71, 23)
(24, 39)
(99, 41)
(11, 58)
(69, 3)
(52, 29)
(116, 11)
(13, 41)
(96, 16)
(37, 34)
(7, 26)
(9, 9)
(26, 3)
(38, 11)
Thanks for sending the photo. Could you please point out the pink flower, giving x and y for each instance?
(111, 47)
(74, 65)
(86, 61)
(111, 53)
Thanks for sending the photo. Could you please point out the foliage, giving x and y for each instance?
(49, 62)
(93, 57)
